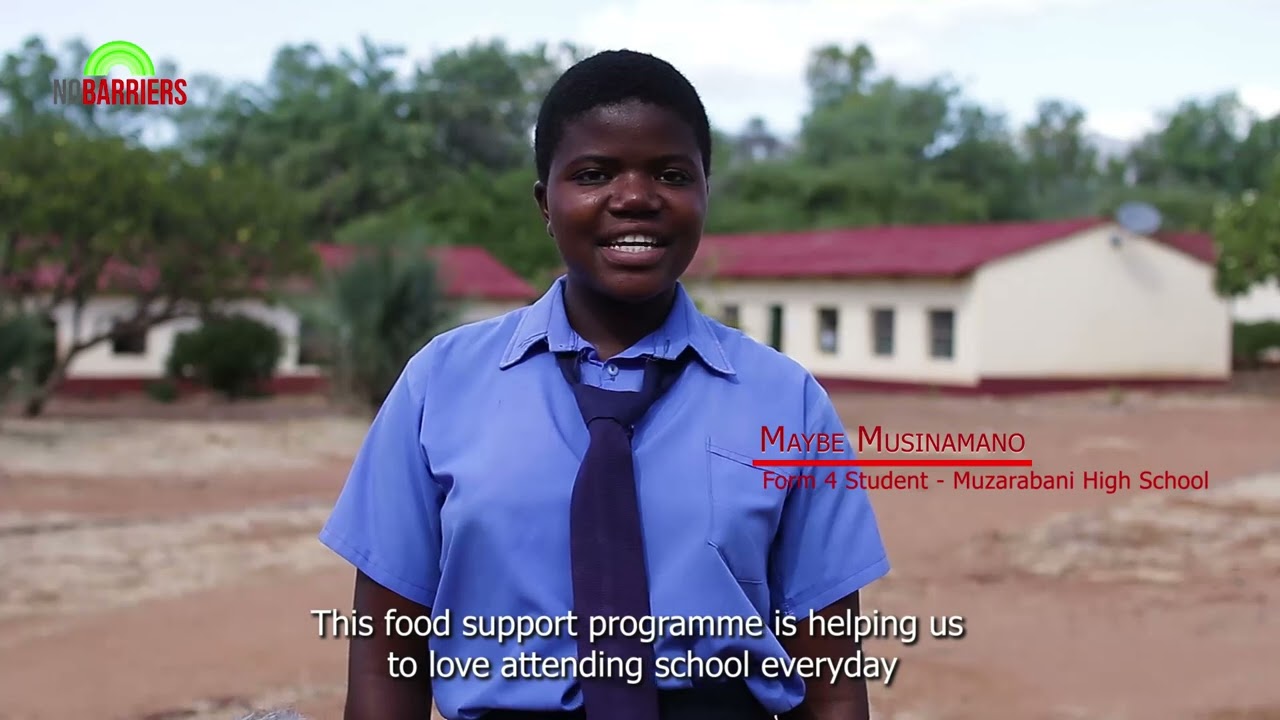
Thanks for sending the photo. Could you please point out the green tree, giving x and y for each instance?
(1063, 167)
(447, 148)
(1256, 153)
(1247, 229)
(1206, 152)
(373, 315)
(1197, 146)
(982, 159)
(87, 216)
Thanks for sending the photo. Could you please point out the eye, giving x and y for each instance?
(675, 177)
(590, 176)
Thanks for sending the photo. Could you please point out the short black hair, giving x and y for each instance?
(611, 78)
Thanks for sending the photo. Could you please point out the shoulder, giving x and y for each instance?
(758, 365)
(463, 352)
(771, 384)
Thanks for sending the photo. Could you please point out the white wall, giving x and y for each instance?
(477, 310)
(1083, 307)
(1073, 309)
(1261, 303)
(101, 362)
(854, 300)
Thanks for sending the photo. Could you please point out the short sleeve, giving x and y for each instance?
(828, 543)
(386, 521)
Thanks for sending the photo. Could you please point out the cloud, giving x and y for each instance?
(747, 51)
(1261, 99)
(1131, 124)
(772, 37)
(1122, 124)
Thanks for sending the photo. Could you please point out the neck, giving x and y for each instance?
(612, 326)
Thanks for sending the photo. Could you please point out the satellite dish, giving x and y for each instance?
(1138, 218)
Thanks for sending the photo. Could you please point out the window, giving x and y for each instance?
(729, 316)
(127, 341)
(775, 327)
(882, 331)
(828, 330)
(942, 333)
(312, 349)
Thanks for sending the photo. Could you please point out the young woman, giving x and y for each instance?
(591, 454)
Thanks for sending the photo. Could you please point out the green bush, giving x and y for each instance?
(372, 316)
(1250, 342)
(25, 348)
(234, 355)
(162, 391)
(19, 343)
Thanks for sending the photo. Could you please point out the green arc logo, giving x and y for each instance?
(119, 52)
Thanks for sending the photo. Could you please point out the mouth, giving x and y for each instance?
(634, 243)
(634, 250)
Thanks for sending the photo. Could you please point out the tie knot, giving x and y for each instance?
(622, 408)
(604, 423)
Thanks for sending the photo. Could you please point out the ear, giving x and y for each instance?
(540, 197)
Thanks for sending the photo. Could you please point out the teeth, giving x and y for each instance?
(634, 243)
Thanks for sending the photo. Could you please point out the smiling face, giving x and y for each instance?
(625, 199)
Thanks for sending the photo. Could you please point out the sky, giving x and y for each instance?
(1124, 62)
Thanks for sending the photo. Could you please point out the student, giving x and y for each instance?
(481, 491)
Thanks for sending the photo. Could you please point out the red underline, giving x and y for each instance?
(919, 462)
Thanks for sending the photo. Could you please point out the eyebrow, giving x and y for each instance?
(608, 159)
(590, 158)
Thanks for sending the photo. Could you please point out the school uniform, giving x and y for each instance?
(460, 498)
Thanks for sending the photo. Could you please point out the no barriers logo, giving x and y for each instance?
(140, 87)
(119, 53)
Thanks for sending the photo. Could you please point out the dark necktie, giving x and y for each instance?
(606, 540)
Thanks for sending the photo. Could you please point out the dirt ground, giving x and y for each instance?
(160, 562)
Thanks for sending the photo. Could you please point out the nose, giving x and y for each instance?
(633, 193)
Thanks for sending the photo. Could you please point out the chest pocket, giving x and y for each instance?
(744, 513)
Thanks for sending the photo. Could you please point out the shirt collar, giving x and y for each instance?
(545, 325)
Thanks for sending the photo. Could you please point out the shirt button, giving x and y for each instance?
(611, 369)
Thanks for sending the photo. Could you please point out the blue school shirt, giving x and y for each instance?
(459, 496)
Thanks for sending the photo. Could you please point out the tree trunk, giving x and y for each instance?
(40, 396)
(36, 402)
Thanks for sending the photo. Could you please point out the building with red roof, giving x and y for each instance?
(982, 307)
(474, 280)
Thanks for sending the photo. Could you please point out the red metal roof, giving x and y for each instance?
(469, 272)
(1198, 245)
(897, 251)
